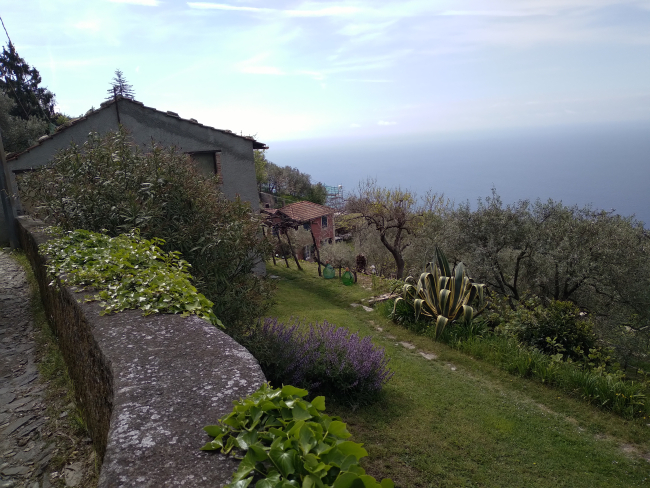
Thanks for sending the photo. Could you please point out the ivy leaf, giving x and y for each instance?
(307, 440)
(300, 412)
(266, 483)
(352, 448)
(213, 430)
(258, 453)
(245, 439)
(284, 461)
(240, 483)
(387, 483)
(348, 480)
(338, 429)
(319, 403)
(289, 390)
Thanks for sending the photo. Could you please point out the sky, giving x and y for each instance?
(317, 74)
(288, 70)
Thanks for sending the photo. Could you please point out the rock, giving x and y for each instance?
(429, 356)
(367, 309)
(15, 425)
(73, 474)
(382, 298)
(18, 470)
(7, 398)
(407, 345)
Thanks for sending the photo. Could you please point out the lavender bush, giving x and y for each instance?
(322, 358)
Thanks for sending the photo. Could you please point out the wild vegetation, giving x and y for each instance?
(287, 183)
(529, 255)
(289, 441)
(127, 272)
(108, 185)
(26, 108)
(452, 419)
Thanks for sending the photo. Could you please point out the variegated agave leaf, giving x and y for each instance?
(443, 294)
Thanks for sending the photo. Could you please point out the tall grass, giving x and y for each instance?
(608, 391)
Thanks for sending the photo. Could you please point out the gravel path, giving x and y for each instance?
(24, 455)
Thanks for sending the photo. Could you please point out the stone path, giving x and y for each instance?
(24, 455)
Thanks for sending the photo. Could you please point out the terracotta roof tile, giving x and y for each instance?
(305, 211)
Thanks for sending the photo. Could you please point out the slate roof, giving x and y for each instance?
(305, 211)
(108, 103)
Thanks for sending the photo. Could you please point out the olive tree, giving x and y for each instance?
(396, 215)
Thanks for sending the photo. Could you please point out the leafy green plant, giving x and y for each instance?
(289, 442)
(110, 185)
(558, 328)
(128, 272)
(443, 294)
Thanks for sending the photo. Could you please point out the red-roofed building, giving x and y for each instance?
(312, 216)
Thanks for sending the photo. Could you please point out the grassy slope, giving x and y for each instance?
(455, 421)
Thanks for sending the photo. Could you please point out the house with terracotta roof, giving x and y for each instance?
(311, 216)
(215, 151)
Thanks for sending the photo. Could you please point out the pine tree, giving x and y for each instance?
(119, 86)
(21, 83)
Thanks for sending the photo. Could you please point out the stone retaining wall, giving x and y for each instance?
(146, 385)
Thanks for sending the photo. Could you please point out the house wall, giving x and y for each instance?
(145, 124)
(323, 234)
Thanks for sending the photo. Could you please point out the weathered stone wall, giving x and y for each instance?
(146, 385)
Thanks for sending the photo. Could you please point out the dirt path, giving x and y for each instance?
(24, 454)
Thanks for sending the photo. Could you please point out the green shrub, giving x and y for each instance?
(289, 442)
(128, 272)
(556, 329)
(109, 185)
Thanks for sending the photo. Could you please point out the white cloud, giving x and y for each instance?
(261, 70)
(321, 12)
(368, 80)
(385, 122)
(256, 66)
(223, 6)
(492, 13)
(145, 3)
(354, 126)
(91, 25)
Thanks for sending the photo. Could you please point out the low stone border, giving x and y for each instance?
(146, 385)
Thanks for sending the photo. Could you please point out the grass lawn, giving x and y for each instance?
(456, 421)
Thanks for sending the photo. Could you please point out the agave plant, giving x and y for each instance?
(443, 294)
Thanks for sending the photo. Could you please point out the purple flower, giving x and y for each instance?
(322, 358)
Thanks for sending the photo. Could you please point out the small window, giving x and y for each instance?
(323, 222)
(208, 163)
(306, 226)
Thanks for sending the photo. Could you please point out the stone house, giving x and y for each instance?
(311, 216)
(214, 150)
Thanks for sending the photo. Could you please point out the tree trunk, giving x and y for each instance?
(313, 238)
(283, 254)
(399, 260)
(293, 253)
(272, 253)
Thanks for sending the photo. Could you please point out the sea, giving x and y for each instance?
(606, 166)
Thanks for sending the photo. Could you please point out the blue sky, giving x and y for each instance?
(291, 70)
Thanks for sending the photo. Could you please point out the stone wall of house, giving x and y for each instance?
(146, 385)
(145, 125)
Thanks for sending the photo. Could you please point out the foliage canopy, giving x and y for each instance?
(110, 185)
